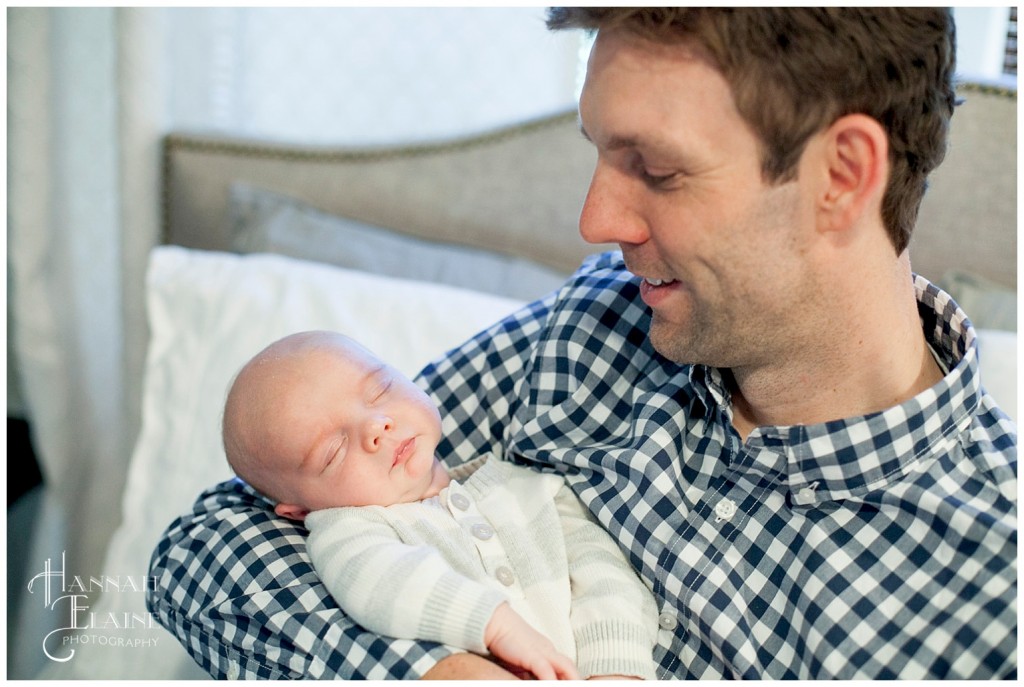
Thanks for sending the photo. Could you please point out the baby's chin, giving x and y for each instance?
(439, 478)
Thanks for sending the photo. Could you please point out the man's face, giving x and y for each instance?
(678, 186)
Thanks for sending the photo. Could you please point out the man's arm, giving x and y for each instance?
(234, 583)
(216, 570)
(467, 667)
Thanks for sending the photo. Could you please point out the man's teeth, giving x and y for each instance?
(657, 282)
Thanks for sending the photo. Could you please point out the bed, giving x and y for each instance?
(437, 240)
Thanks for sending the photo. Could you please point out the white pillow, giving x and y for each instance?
(209, 313)
(997, 360)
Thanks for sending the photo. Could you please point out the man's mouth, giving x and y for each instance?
(653, 291)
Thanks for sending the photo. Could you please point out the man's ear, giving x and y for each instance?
(856, 154)
(292, 512)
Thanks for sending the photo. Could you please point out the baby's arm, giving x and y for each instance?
(411, 592)
(393, 588)
(614, 615)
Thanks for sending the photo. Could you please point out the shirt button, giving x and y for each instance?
(505, 576)
(481, 531)
(725, 509)
(460, 501)
(667, 621)
(232, 671)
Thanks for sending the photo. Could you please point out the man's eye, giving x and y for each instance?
(651, 179)
(656, 180)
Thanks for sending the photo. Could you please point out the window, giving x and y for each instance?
(1010, 58)
(987, 45)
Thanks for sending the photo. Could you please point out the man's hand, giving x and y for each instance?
(467, 667)
(512, 640)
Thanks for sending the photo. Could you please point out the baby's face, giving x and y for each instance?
(353, 431)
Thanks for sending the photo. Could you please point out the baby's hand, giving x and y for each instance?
(512, 640)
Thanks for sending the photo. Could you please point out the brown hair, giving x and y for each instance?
(794, 71)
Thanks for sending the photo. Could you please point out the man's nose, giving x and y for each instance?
(611, 211)
(377, 427)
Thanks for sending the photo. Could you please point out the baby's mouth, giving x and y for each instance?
(403, 451)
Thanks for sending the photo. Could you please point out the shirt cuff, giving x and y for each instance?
(458, 614)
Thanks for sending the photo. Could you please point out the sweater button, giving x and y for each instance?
(482, 531)
(460, 501)
(505, 576)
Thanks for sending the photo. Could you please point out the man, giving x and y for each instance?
(782, 427)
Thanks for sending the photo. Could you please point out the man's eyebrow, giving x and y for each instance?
(615, 143)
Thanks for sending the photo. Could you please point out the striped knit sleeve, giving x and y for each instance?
(407, 591)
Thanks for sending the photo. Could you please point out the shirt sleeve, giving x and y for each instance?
(234, 583)
(394, 588)
(614, 616)
(479, 385)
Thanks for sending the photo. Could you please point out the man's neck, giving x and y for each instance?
(873, 356)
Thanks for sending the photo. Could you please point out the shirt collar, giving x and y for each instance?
(844, 458)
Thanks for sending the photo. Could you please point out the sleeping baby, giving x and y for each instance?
(492, 557)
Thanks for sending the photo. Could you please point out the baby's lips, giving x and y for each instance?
(403, 451)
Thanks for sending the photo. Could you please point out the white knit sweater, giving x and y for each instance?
(437, 569)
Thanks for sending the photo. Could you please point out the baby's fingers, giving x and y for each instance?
(565, 668)
(557, 667)
(544, 671)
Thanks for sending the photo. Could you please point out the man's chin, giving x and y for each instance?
(686, 344)
(670, 343)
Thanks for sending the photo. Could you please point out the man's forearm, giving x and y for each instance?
(467, 667)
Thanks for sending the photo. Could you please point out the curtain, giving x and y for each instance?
(91, 91)
(64, 257)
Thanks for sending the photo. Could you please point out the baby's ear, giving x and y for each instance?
(292, 512)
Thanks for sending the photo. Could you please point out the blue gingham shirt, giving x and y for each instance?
(874, 547)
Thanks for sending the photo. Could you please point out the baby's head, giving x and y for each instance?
(317, 421)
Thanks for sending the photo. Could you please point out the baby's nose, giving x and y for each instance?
(376, 428)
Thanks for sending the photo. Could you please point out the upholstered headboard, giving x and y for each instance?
(968, 220)
(518, 190)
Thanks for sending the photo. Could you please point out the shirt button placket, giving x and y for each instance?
(724, 510)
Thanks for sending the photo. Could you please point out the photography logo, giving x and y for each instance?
(68, 596)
